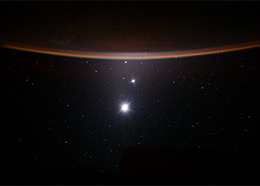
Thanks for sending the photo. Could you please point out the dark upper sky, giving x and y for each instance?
(130, 26)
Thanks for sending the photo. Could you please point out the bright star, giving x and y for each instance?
(125, 107)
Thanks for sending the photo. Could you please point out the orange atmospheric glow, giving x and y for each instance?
(129, 55)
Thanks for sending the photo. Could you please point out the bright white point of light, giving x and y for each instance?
(133, 80)
(125, 107)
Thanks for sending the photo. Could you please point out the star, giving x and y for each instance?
(124, 108)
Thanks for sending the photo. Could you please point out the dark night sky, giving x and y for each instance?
(64, 113)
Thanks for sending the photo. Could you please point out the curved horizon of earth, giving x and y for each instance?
(130, 26)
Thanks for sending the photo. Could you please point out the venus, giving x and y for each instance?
(125, 107)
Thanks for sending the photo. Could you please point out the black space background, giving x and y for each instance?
(61, 116)
(206, 102)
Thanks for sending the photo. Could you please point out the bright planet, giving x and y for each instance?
(125, 108)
